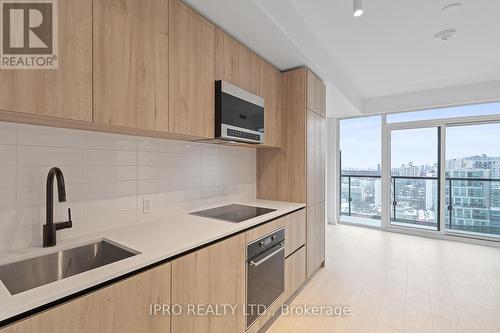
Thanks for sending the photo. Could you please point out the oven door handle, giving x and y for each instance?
(281, 247)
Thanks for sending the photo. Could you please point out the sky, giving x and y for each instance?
(360, 138)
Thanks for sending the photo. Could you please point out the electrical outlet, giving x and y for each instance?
(147, 205)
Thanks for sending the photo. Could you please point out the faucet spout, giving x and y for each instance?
(49, 229)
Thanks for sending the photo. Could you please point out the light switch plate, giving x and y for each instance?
(147, 205)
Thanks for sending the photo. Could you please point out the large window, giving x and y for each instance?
(442, 170)
(360, 164)
(442, 113)
(473, 178)
(415, 177)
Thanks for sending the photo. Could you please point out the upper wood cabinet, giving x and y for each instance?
(213, 275)
(316, 94)
(235, 63)
(191, 72)
(270, 89)
(121, 307)
(281, 173)
(65, 92)
(316, 158)
(131, 63)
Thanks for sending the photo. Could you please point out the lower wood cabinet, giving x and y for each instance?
(295, 272)
(120, 307)
(199, 282)
(213, 275)
(295, 231)
(316, 229)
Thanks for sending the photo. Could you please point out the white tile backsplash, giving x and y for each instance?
(107, 177)
(8, 176)
(28, 135)
(50, 156)
(8, 133)
(8, 154)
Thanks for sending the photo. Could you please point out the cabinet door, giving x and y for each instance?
(295, 231)
(270, 89)
(213, 275)
(316, 94)
(131, 63)
(281, 173)
(235, 63)
(191, 72)
(315, 244)
(121, 307)
(65, 92)
(295, 272)
(316, 158)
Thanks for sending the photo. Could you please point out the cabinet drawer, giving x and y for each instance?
(295, 272)
(295, 232)
(265, 229)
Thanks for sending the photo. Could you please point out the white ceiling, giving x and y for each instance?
(388, 52)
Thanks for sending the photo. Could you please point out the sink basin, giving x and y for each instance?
(35, 272)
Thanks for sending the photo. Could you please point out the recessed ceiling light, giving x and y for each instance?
(445, 35)
(357, 8)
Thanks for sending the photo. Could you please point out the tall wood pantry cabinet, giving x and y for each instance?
(296, 172)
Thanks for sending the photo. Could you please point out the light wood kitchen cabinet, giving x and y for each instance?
(316, 232)
(65, 92)
(235, 63)
(191, 72)
(265, 229)
(295, 272)
(281, 173)
(316, 158)
(296, 172)
(316, 94)
(120, 307)
(131, 63)
(295, 231)
(213, 275)
(270, 90)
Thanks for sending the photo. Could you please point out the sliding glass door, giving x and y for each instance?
(473, 179)
(415, 177)
(360, 178)
(432, 171)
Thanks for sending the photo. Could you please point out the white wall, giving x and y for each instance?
(107, 176)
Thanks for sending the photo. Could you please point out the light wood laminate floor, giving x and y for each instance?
(401, 283)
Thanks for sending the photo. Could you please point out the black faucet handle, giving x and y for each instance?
(68, 224)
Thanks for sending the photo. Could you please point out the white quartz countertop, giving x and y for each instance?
(156, 241)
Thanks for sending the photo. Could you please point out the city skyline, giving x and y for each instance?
(360, 138)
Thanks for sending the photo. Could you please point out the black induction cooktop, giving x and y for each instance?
(233, 213)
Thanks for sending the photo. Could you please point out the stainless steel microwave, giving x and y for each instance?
(239, 114)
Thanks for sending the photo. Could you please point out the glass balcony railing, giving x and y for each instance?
(415, 201)
(361, 196)
(473, 206)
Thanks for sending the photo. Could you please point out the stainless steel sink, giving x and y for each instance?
(35, 272)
